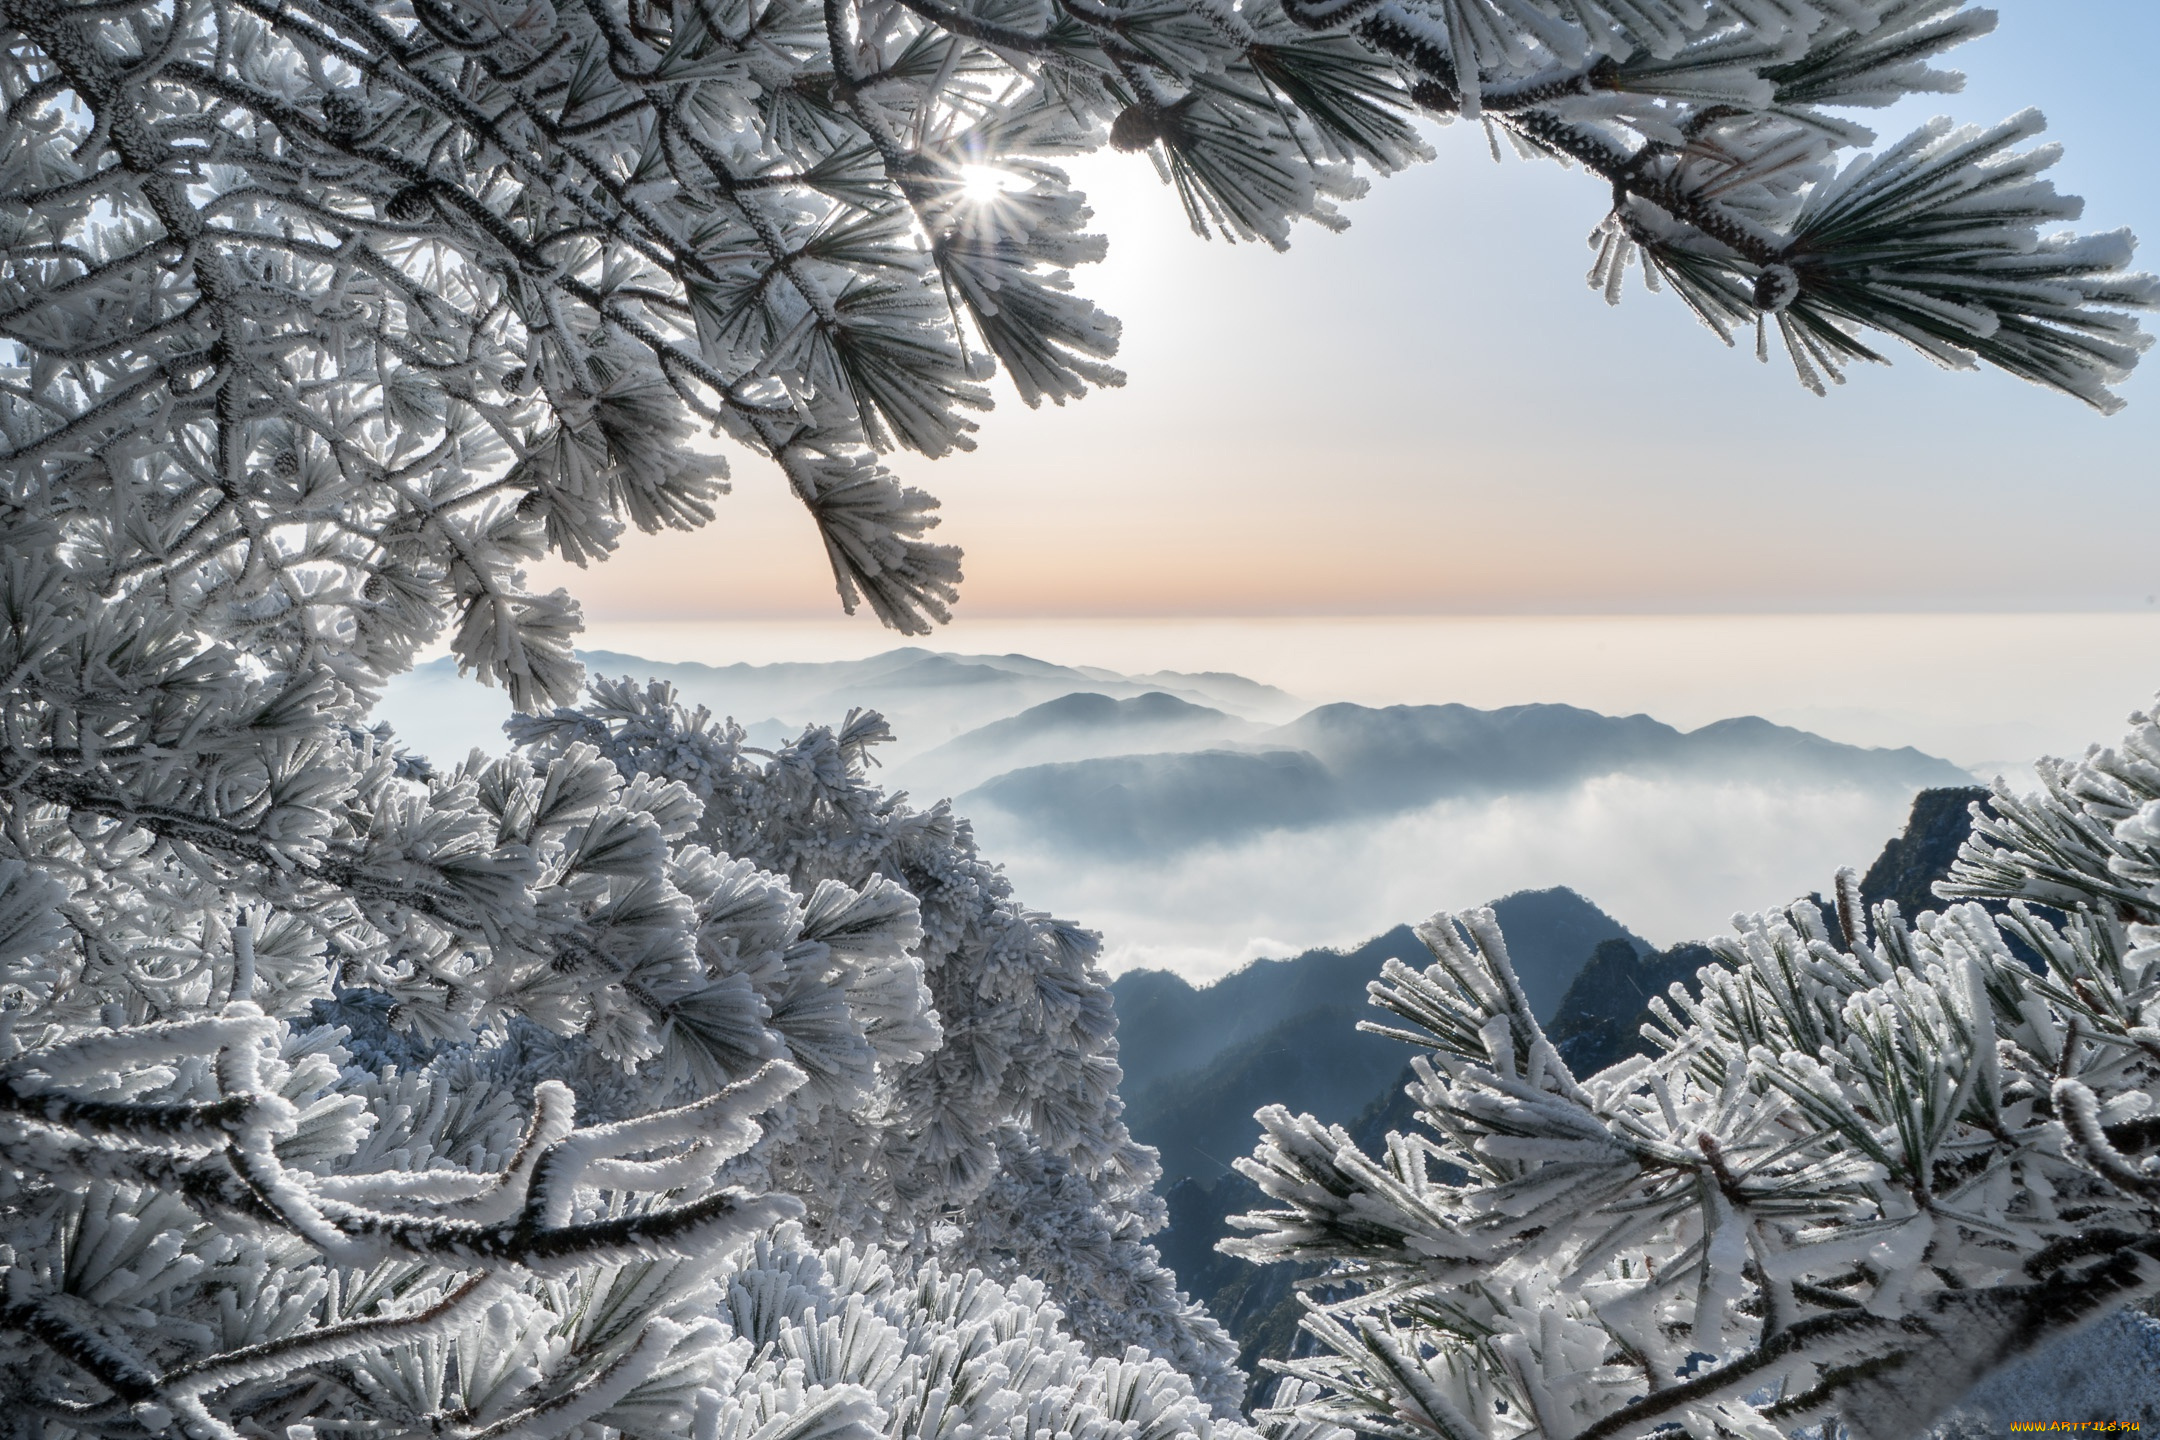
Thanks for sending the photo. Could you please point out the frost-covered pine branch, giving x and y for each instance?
(340, 311)
(1873, 1161)
(423, 955)
(193, 1115)
(319, 320)
(540, 1289)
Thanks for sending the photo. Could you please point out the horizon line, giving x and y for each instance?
(868, 622)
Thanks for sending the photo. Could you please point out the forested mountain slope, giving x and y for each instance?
(1169, 1027)
(1592, 997)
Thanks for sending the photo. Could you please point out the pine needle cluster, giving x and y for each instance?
(1873, 1161)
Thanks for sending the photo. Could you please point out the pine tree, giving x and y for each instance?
(343, 1089)
(1002, 1151)
(1874, 1162)
(298, 1030)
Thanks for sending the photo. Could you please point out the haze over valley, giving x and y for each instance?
(1201, 819)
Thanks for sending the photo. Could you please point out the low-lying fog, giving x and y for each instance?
(1671, 859)
(1200, 818)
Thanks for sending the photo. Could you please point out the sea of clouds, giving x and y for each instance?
(1672, 859)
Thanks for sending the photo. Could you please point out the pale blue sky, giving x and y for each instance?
(1432, 413)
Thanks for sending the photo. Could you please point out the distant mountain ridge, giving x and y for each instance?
(1594, 1021)
(1199, 1060)
(1343, 762)
(929, 696)
(1083, 725)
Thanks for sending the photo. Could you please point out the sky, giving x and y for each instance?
(1433, 414)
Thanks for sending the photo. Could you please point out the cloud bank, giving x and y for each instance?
(1671, 858)
(1201, 860)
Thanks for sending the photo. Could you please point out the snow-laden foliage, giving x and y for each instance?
(931, 1354)
(217, 1241)
(996, 1142)
(1875, 1161)
(284, 1133)
(211, 1228)
(322, 317)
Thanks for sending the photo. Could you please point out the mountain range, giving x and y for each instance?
(1283, 1032)
(1084, 725)
(929, 696)
(1199, 1062)
(1199, 818)
(1345, 762)
(1121, 756)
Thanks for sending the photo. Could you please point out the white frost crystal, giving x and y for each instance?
(1873, 1163)
(345, 1093)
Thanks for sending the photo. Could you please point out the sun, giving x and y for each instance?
(980, 184)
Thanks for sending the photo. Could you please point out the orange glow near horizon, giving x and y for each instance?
(1430, 414)
(1085, 536)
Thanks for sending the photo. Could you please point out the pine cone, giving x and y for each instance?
(1775, 288)
(1142, 123)
(1135, 128)
(411, 204)
(345, 116)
